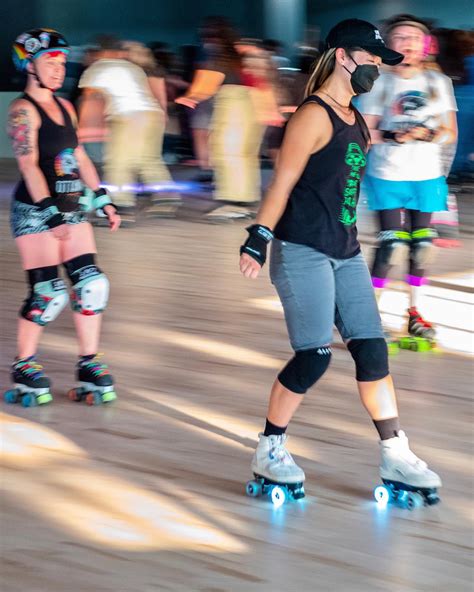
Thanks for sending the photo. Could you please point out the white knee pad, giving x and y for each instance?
(91, 294)
(423, 253)
(46, 301)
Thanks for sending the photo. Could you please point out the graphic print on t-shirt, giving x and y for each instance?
(412, 109)
(356, 160)
(67, 172)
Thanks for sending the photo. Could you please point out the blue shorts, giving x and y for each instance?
(426, 196)
(28, 219)
(318, 292)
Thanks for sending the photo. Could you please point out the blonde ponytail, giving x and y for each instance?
(323, 68)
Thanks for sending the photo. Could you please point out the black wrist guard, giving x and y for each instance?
(53, 216)
(388, 136)
(256, 244)
(102, 199)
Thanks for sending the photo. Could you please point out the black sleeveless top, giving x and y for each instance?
(321, 210)
(56, 159)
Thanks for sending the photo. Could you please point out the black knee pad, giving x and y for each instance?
(90, 287)
(370, 357)
(48, 295)
(305, 368)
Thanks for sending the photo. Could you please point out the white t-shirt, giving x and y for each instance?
(403, 104)
(124, 84)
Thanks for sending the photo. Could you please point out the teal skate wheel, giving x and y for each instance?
(253, 489)
(414, 500)
(382, 495)
(11, 396)
(278, 496)
(29, 400)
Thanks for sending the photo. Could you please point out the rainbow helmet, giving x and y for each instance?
(33, 43)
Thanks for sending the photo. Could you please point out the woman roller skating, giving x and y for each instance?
(319, 272)
(50, 226)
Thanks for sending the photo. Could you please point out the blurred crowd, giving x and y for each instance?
(219, 105)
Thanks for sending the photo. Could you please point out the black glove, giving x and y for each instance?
(102, 199)
(256, 244)
(54, 217)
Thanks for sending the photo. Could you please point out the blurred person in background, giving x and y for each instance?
(49, 223)
(175, 141)
(236, 132)
(322, 279)
(136, 122)
(92, 127)
(411, 114)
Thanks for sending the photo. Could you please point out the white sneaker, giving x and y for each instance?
(229, 212)
(400, 464)
(273, 461)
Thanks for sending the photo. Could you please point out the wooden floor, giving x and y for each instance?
(149, 494)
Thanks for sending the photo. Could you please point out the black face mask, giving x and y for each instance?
(363, 77)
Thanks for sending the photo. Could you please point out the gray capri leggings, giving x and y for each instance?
(317, 291)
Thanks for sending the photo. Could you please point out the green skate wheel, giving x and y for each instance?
(414, 500)
(278, 496)
(393, 348)
(423, 345)
(108, 397)
(11, 396)
(44, 398)
(253, 489)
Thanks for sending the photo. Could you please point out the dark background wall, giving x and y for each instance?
(172, 21)
(176, 21)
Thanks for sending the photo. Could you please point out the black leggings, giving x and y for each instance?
(401, 219)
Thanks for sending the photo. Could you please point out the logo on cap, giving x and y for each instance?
(32, 45)
(378, 35)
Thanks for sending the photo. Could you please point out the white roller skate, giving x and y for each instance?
(407, 479)
(275, 471)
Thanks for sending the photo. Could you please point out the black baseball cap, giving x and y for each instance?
(357, 33)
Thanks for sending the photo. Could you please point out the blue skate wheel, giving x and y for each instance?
(414, 500)
(28, 400)
(382, 495)
(11, 396)
(253, 489)
(278, 496)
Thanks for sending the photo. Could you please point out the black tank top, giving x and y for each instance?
(321, 210)
(56, 159)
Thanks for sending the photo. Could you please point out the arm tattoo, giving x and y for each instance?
(19, 131)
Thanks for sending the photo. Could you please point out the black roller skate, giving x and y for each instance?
(421, 333)
(30, 385)
(96, 385)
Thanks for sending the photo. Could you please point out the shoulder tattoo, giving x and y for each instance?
(19, 130)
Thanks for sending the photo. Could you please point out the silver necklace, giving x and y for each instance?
(348, 108)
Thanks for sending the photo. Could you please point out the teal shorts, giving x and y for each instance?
(28, 219)
(426, 196)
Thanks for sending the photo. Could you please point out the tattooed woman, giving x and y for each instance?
(49, 223)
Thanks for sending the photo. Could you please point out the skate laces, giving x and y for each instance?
(415, 317)
(278, 450)
(407, 454)
(95, 366)
(29, 367)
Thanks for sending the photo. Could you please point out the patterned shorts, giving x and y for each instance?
(28, 219)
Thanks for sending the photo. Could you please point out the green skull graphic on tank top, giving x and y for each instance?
(356, 160)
